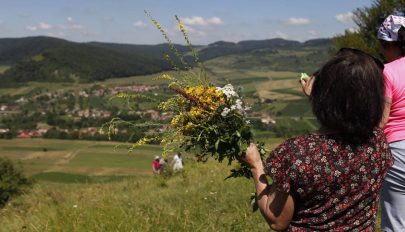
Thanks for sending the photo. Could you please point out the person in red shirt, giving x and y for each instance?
(330, 180)
(156, 165)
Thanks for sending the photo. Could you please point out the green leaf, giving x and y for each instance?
(217, 144)
(253, 202)
(237, 133)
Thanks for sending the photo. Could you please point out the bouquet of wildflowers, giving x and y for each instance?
(208, 120)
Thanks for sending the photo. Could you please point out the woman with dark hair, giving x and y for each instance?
(392, 38)
(330, 180)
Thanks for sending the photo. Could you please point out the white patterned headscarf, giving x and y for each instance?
(388, 30)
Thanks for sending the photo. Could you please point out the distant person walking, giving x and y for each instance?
(177, 162)
(162, 165)
(155, 165)
(392, 39)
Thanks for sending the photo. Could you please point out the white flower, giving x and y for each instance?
(247, 121)
(238, 104)
(228, 90)
(225, 112)
(233, 107)
(247, 108)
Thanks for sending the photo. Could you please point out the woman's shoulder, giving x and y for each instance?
(305, 139)
(297, 145)
(395, 63)
(394, 67)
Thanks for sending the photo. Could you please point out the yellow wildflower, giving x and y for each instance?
(189, 126)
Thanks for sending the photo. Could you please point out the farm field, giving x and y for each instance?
(41, 158)
(46, 159)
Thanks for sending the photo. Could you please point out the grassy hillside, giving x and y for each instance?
(303, 58)
(123, 196)
(152, 51)
(196, 200)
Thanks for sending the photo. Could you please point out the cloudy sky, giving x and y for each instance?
(124, 21)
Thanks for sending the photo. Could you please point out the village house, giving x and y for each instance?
(137, 88)
(4, 130)
(106, 114)
(266, 119)
(154, 115)
(98, 92)
(167, 115)
(23, 134)
(3, 107)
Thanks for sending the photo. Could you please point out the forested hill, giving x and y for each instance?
(50, 59)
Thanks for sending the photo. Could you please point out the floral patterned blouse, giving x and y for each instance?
(335, 186)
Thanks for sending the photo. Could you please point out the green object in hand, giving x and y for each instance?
(303, 76)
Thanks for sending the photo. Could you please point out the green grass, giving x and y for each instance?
(297, 108)
(78, 157)
(3, 68)
(76, 178)
(112, 160)
(290, 91)
(199, 199)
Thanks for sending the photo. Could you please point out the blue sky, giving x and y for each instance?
(123, 21)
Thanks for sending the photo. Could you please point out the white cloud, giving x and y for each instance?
(197, 27)
(31, 28)
(76, 26)
(352, 29)
(297, 21)
(140, 24)
(312, 34)
(345, 17)
(281, 35)
(72, 24)
(215, 21)
(200, 21)
(58, 34)
(45, 26)
(193, 31)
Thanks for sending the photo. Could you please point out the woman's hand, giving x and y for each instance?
(252, 157)
(307, 84)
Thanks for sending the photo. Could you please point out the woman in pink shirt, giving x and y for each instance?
(392, 37)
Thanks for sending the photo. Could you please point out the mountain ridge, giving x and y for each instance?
(42, 58)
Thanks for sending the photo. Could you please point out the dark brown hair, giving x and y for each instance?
(401, 39)
(348, 94)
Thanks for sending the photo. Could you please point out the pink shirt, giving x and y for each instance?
(394, 74)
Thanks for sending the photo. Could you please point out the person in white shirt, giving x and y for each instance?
(177, 162)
